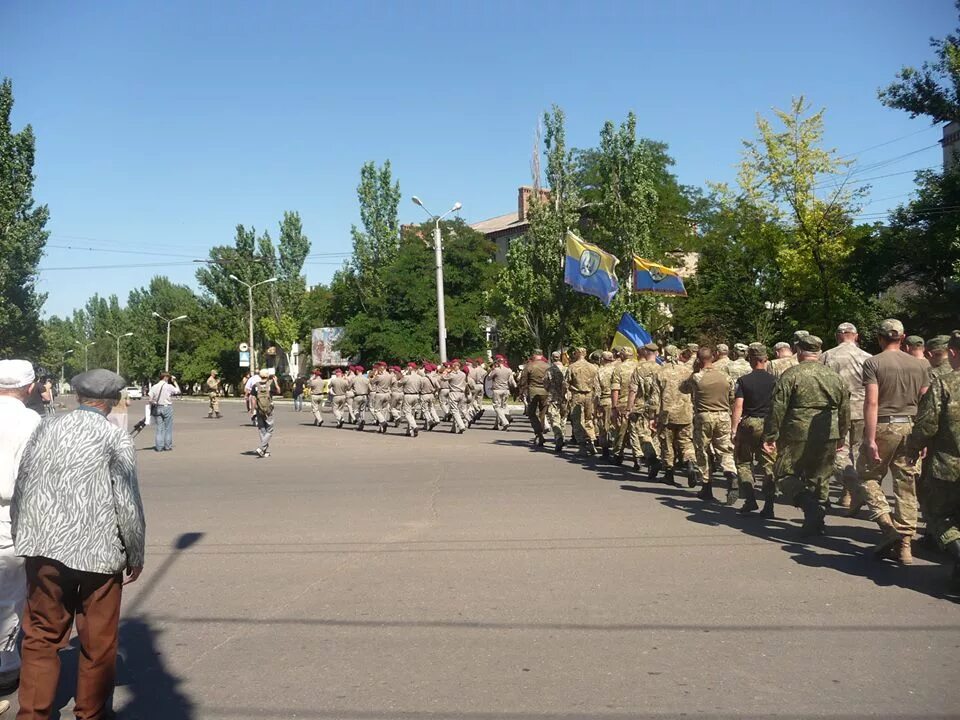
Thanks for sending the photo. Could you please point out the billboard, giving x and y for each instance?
(323, 342)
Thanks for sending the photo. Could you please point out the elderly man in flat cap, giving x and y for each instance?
(17, 423)
(78, 522)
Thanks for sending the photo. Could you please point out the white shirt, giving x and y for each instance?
(248, 388)
(162, 392)
(17, 424)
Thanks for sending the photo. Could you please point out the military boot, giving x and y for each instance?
(733, 494)
(749, 501)
(890, 540)
(691, 471)
(636, 463)
(905, 550)
(653, 468)
(813, 514)
(591, 448)
(617, 459)
(605, 453)
(706, 493)
(669, 479)
(953, 549)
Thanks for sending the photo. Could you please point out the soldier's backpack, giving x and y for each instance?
(263, 398)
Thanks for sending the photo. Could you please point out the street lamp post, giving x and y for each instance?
(63, 361)
(249, 287)
(438, 257)
(118, 338)
(86, 347)
(166, 364)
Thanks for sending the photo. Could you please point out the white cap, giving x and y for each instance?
(15, 374)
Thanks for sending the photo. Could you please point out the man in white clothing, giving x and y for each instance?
(17, 424)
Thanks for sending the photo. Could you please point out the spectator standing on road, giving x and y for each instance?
(263, 392)
(249, 397)
(215, 391)
(17, 423)
(161, 395)
(77, 519)
(297, 394)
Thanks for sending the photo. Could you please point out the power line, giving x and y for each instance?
(112, 267)
(824, 184)
(125, 252)
(888, 142)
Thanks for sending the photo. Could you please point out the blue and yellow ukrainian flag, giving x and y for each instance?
(651, 277)
(590, 270)
(630, 332)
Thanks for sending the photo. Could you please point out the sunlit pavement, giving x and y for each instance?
(358, 576)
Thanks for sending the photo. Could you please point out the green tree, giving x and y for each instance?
(22, 237)
(934, 89)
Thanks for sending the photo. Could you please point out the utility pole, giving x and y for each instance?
(166, 364)
(253, 353)
(438, 260)
(118, 338)
(86, 347)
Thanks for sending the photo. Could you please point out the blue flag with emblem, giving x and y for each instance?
(630, 332)
(590, 270)
(657, 279)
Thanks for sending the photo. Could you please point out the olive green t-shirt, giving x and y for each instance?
(899, 378)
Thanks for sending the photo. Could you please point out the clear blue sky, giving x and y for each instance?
(161, 126)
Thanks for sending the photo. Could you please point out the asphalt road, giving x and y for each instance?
(357, 576)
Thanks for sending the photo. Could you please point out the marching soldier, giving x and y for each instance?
(753, 398)
(938, 356)
(712, 399)
(603, 417)
(673, 413)
(722, 357)
(641, 389)
(582, 378)
(410, 386)
(915, 346)
(786, 355)
(458, 389)
(396, 395)
(534, 391)
(809, 416)
(428, 390)
(689, 355)
(316, 383)
(555, 384)
(502, 382)
(937, 429)
(213, 387)
(361, 396)
(445, 391)
(339, 386)
(619, 397)
(478, 374)
(739, 366)
(381, 382)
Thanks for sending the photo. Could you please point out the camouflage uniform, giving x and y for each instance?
(602, 418)
(723, 359)
(673, 411)
(810, 413)
(621, 383)
(555, 384)
(582, 379)
(738, 367)
(779, 366)
(937, 428)
(748, 447)
(846, 359)
(213, 388)
(641, 388)
(711, 421)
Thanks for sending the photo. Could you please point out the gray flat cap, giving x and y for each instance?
(98, 384)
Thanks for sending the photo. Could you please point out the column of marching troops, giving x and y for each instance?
(784, 426)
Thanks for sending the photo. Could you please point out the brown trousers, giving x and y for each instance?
(55, 596)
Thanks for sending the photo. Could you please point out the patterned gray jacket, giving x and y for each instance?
(77, 500)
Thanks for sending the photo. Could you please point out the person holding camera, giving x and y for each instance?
(161, 409)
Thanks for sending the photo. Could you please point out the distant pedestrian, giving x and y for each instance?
(17, 423)
(161, 401)
(298, 386)
(77, 520)
(263, 393)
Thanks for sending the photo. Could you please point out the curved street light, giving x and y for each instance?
(118, 338)
(166, 363)
(438, 258)
(249, 287)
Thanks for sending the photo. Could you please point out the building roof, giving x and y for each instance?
(508, 222)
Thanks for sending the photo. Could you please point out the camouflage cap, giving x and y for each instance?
(594, 356)
(606, 355)
(940, 342)
(556, 355)
(627, 351)
(671, 351)
(781, 346)
(845, 327)
(810, 343)
(723, 348)
(740, 347)
(890, 328)
(914, 341)
(798, 334)
(652, 347)
(692, 347)
(757, 350)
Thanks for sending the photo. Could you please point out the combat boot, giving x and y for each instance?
(890, 540)
(706, 493)
(905, 550)
(591, 448)
(749, 501)
(617, 459)
(813, 514)
(691, 474)
(653, 468)
(558, 448)
(669, 478)
(636, 463)
(605, 453)
(733, 494)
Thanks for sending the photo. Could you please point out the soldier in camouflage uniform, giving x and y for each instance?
(788, 358)
(582, 378)
(937, 429)
(641, 388)
(673, 413)
(847, 359)
(689, 355)
(809, 416)
(712, 394)
(603, 419)
(722, 357)
(555, 384)
(753, 396)
(938, 356)
(739, 365)
(619, 396)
